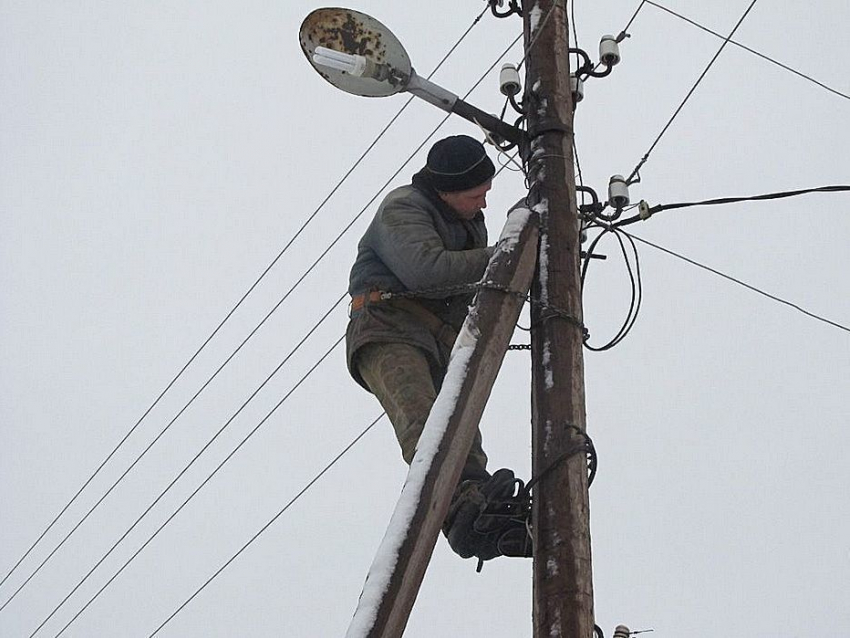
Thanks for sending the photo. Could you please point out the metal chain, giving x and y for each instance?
(548, 311)
(445, 291)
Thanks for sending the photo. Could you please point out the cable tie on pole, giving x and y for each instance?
(551, 312)
(487, 135)
(584, 444)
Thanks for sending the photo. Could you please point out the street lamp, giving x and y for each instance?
(359, 55)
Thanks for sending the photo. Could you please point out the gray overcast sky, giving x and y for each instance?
(156, 156)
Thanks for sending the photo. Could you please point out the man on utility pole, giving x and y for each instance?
(562, 577)
(563, 586)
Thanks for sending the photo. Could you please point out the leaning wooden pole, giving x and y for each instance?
(563, 585)
(397, 571)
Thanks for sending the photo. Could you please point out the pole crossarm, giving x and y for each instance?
(397, 571)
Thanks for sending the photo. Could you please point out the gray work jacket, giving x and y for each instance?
(415, 243)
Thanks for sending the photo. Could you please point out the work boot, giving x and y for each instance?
(489, 518)
(467, 503)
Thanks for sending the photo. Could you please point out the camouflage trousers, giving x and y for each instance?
(400, 376)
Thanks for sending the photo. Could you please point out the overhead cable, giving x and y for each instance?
(227, 317)
(625, 32)
(204, 449)
(748, 49)
(634, 281)
(740, 283)
(573, 23)
(268, 524)
(168, 426)
(635, 173)
(648, 211)
(200, 487)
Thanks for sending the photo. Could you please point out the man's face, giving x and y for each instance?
(467, 203)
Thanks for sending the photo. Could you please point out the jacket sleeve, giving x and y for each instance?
(409, 245)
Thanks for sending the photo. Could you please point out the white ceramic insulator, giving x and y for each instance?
(577, 88)
(509, 82)
(609, 50)
(618, 191)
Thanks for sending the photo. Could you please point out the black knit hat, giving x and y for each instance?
(458, 163)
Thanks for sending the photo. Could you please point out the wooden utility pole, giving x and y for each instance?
(563, 584)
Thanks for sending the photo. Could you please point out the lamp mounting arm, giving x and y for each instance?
(451, 103)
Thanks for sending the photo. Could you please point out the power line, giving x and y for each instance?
(740, 283)
(235, 307)
(161, 433)
(112, 453)
(624, 33)
(325, 252)
(637, 168)
(198, 489)
(634, 281)
(753, 51)
(733, 200)
(204, 449)
(651, 210)
(573, 23)
(183, 409)
(267, 525)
